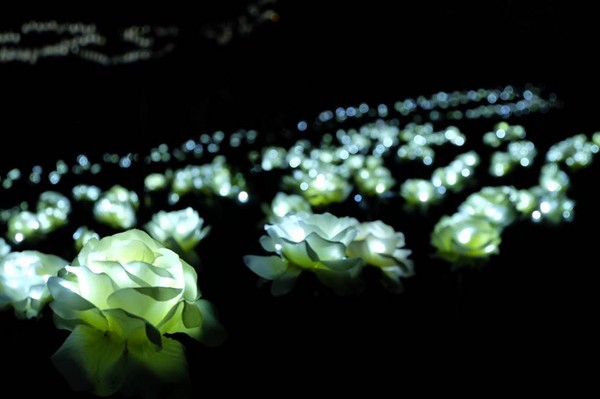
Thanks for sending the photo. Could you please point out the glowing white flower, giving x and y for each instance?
(374, 178)
(379, 245)
(284, 204)
(117, 208)
(309, 242)
(178, 230)
(465, 240)
(319, 187)
(120, 297)
(492, 203)
(24, 226)
(23, 278)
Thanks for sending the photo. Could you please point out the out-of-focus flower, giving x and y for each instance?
(576, 152)
(180, 230)
(524, 201)
(503, 132)
(552, 207)
(84, 192)
(413, 151)
(121, 298)
(492, 203)
(23, 279)
(155, 182)
(82, 235)
(4, 248)
(53, 210)
(24, 226)
(379, 245)
(284, 204)
(520, 153)
(117, 208)
(319, 187)
(309, 242)
(374, 179)
(214, 179)
(454, 177)
(421, 192)
(465, 240)
(273, 157)
(553, 179)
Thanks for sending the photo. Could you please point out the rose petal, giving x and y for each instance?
(157, 373)
(92, 361)
(284, 283)
(326, 249)
(135, 329)
(149, 303)
(343, 265)
(269, 267)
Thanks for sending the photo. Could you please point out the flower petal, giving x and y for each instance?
(269, 267)
(343, 265)
(149, 303)
(135, 329)
(342, 283)
(62, 293)
(325, 249)
(155, 373)
(92, 361)
(284, 283)
(213, 332)
(299, 253)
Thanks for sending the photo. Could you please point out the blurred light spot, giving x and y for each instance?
(125, 162)
(243, 197)
(54, 177)
(302, 126)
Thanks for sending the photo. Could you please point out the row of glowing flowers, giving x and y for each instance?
(323, 176)
(124, 294)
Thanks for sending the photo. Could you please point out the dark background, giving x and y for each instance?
(527, 319)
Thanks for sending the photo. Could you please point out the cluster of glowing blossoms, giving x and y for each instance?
(52, 212)
(335, 249)
(122, 298)
(469, 237)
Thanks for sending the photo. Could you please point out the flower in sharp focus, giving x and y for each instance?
(465, 240)
(121, 298)
(379, 245)
(309, 242)
(23, 281)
